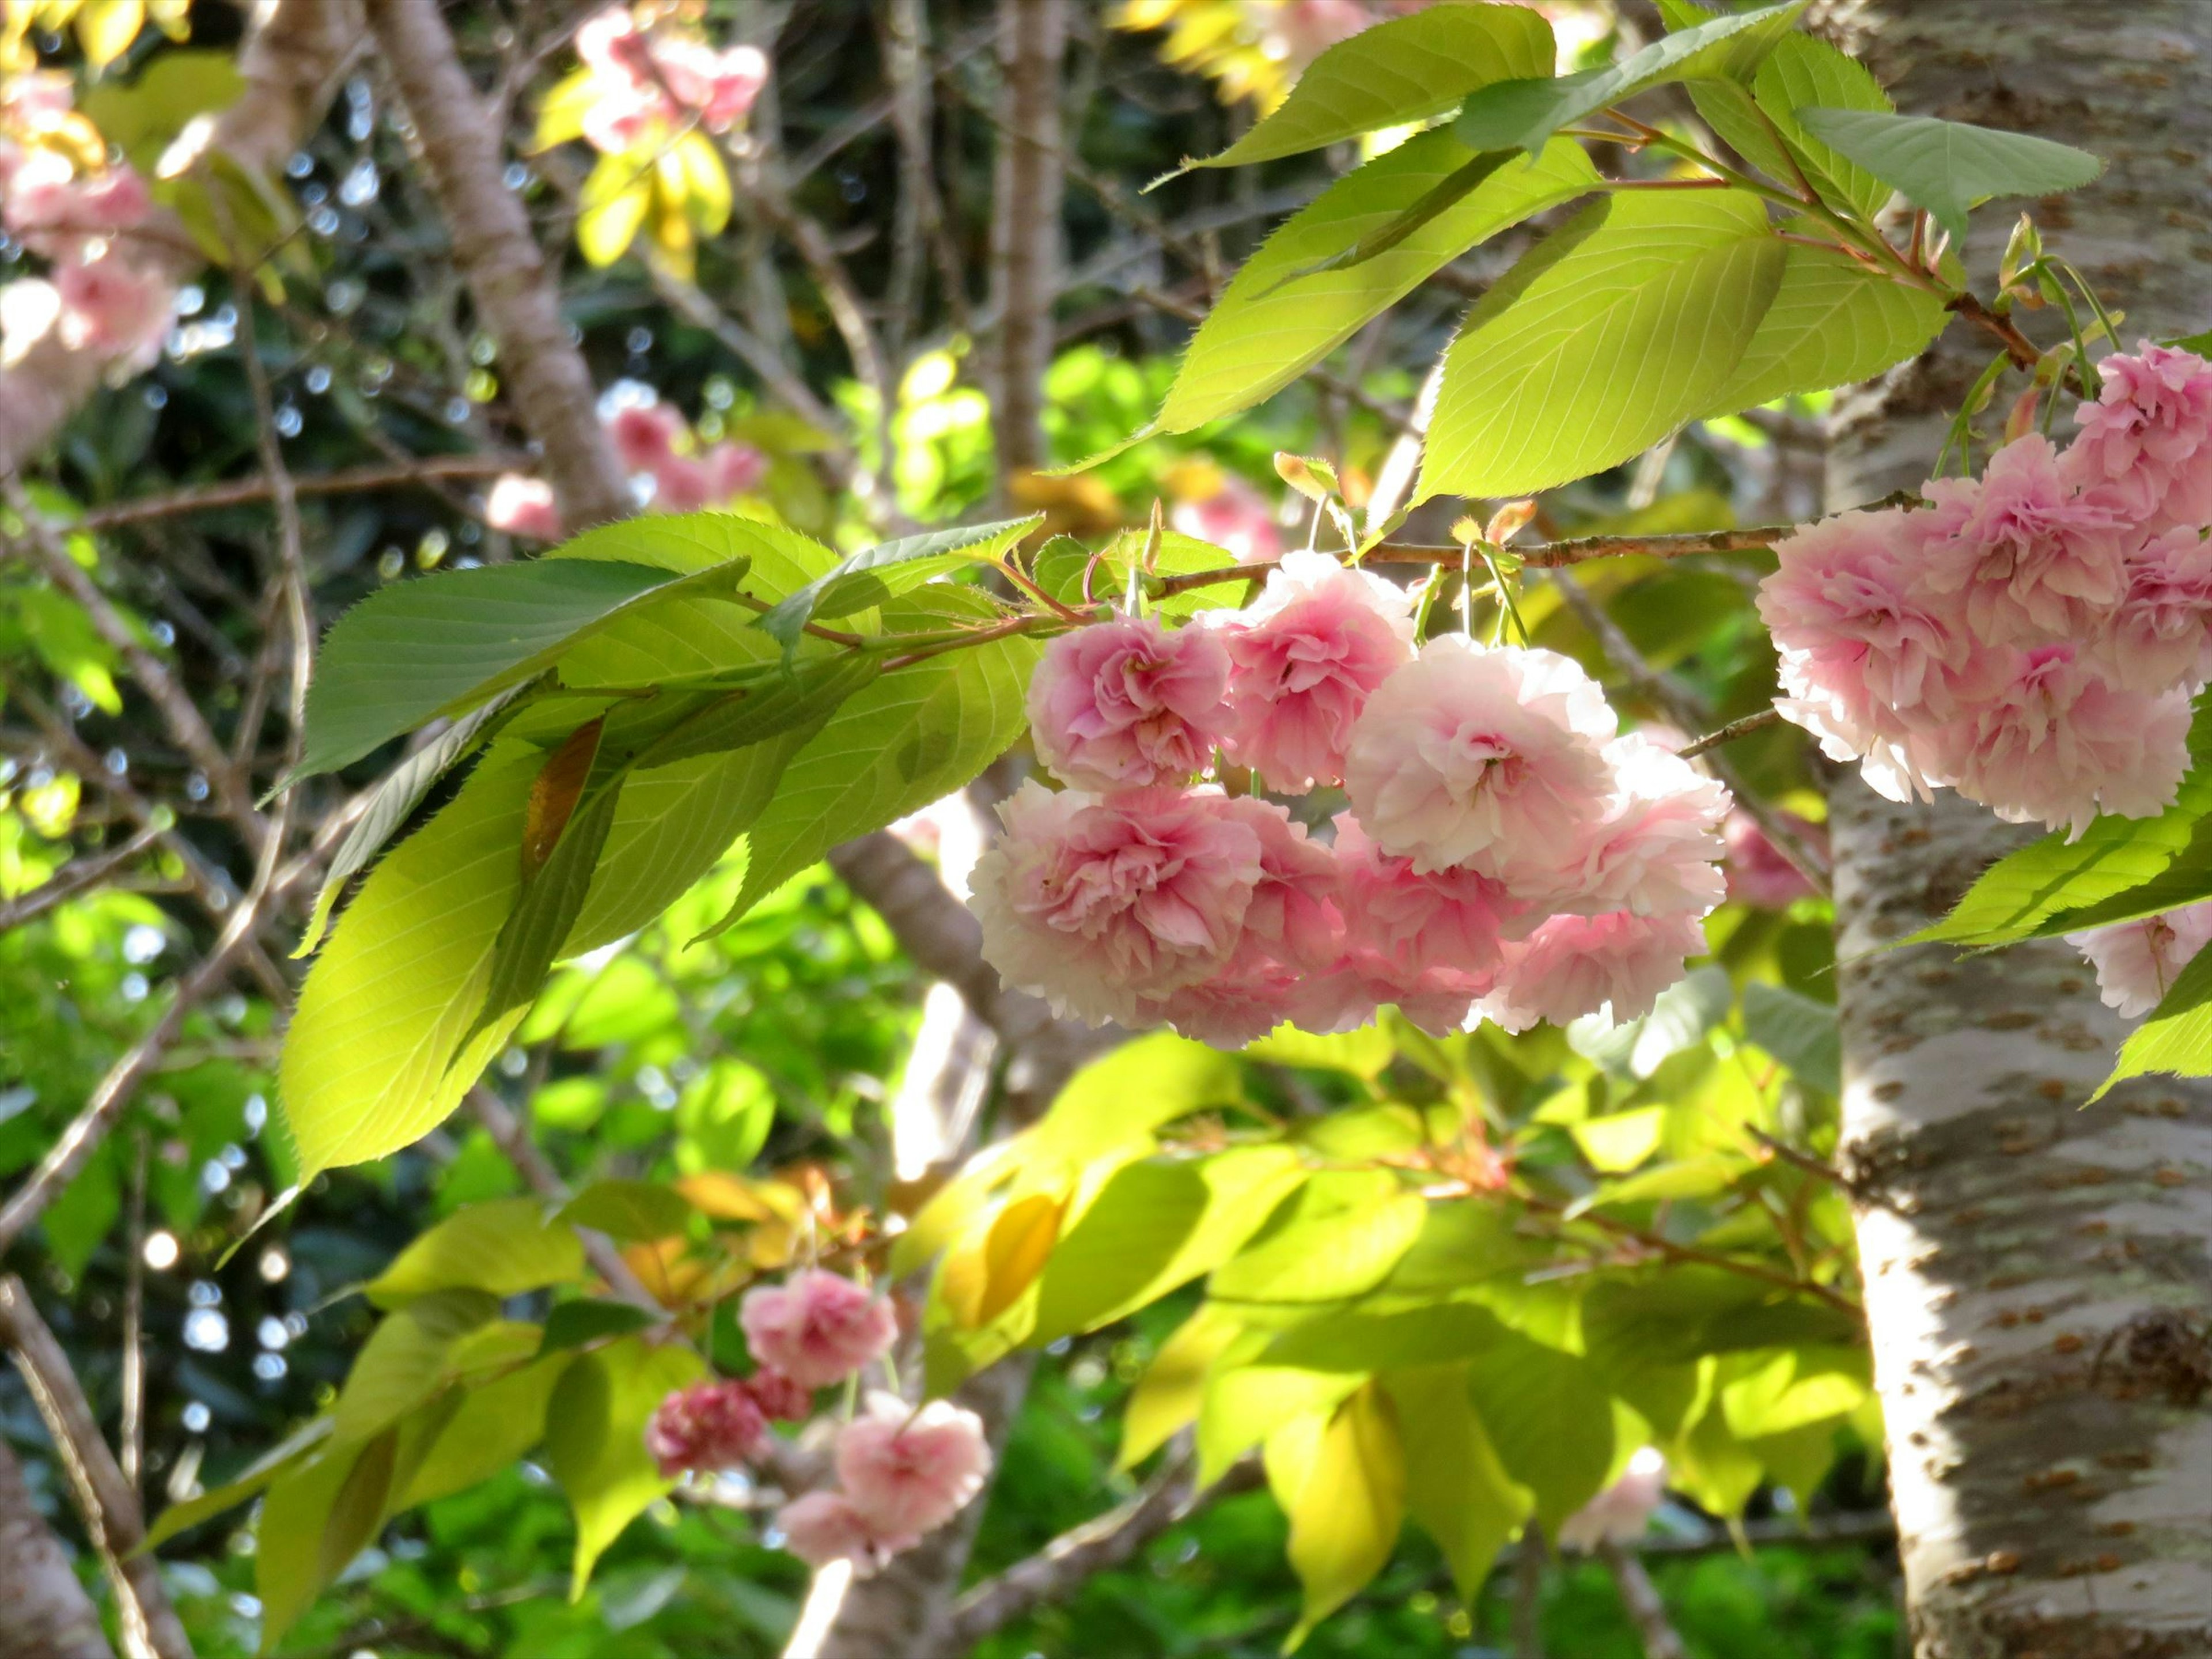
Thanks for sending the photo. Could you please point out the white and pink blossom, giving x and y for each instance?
(817, 1328)
(906, 1469)
(823, 1527)
(1128, 703)
(1615, 964)
(2137, 961)
(2148, 436)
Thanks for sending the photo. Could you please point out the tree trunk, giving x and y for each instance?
(1025, 238)
(46, 1615)
(2038, 1276)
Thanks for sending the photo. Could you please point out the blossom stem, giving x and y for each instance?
(1755, 721)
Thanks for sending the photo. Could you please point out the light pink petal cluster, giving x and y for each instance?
(907, 1470)
(645, 81)
(2032, 637)
(655, 445)
(1235, 517)
(1621, 1513)
(1616, 964)
(823, 1527)
(1757, 874)
(1305, 657)
(817, 1328)
(1129, 703)
(102, 295)
(1657, 849)
(2137, 961)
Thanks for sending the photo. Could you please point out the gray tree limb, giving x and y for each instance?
(49, 1616)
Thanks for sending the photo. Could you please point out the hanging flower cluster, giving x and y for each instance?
(62, 199)
(665, 460)
(902, 1471)
(1509, 855)
(2031, 638)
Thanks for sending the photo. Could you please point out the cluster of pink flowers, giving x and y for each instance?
(902, 1471)
(2137, 961)
(655, 445)
(646, 81)
(102, 293)
(1508, 854)
(2031, 638)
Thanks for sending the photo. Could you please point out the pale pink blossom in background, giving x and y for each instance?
(1296, 32)
(2059, 743)
(1097, 905)
(734, 470)
(2149, 436)
(1128, 703)
(2033, 556)
(706, 1427)
(1304, 658)
(908, 1470)
(116, 310)
(1658, 847)
(1757, 874)
(1492, 758)
(2160, 635)
(681, 483)
(1615, 964)
(1235, 517)
(1621, 1513)
(817, 1328)
(2137, 961)
(646, 78)
(645, 435)
(823, 1527)
(523, 506)
(720, 86)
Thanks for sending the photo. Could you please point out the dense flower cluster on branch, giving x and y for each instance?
(2031, 638)
(902, 1471)
(672, 470)
(1508, 855)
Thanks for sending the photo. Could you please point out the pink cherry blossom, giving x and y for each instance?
(1757, 874)
(1096, 904)
(1236, 517)
(1658, 848)
(1301, 30)
(823, 1527)
(1620, 1513)
(706, 1427)
(644, 436)
(2159, 634)
(1414, 923)
(113, 308)
(523, 506)
(1303, 660)
(1487, 757)
(1868, 654)
(2033, 556)
(2059, 743)
(2137, 961)
(1128, 703)
(781, 1399)
(1617, 965)
(2149, 436)
(1438, 1000)
(1294, 911)
(734, 470)
(720, 86)
(817, 1328)
(908, 1470)
(681, 484)
(1239, 1003)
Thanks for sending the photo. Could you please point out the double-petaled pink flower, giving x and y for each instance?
(705, 1428)
(907, 1470)
(1128, 703)
(817, 1328)
(2148, 436)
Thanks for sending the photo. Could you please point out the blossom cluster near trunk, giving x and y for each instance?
(669, 465)
(1508, 854)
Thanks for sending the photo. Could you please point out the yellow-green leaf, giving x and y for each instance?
(595, 1438)
(1341, 1480)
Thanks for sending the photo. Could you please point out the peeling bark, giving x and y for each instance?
(47, 1614)
(2038, 1276)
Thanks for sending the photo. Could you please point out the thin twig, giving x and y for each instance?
(78, 876)
(1641, 1598)
(1758, 721)
(511, 1134)
(247, 492)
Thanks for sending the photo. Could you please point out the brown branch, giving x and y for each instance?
(1110, 1540)
(1025, 226)
(49, 1614)
(1640, 1597)
(516, 301)
(1758, 721)
(78, 876)
(110, 1508)
(246, 492)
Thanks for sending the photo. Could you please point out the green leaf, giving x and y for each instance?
(1833, 323)
(439, 644)
(490, 1425)
(1341, 1481)
(802, 699)
(576, 1324)
(1948, 166)
(858, 580)
(1119, 1099)
(1415, 1337)
(396, 794)
(144, 118)
(897, 744)
(2031, 891)
(1366, 1052)
(1166, 1398)
(1523, 114)
(1801, 1033)
(1339, 1236)
(546, 910)
(1603, 340)
(375, 1058)
(1400, 71)
(506, 1247)
(2176, 1036)
(315, 1519)
(405, 1361)
(1273, 323)
(1155, 1225)
(1550, 1419)
(1455, 1486)
(630, 1210)
(1246, 1404)
(291, 1453)
(595, 1438)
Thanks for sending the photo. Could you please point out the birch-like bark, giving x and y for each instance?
(47, 1615)
(291, 65)
(1025, 229)
(2038, 1275)
(516, 301)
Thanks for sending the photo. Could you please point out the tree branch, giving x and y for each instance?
(49, 1614)
(515, 299)
(511, 1134)
(247, 492)
(1025, 228)
(78, 876)
(109, 1506)
(1640, 1596)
